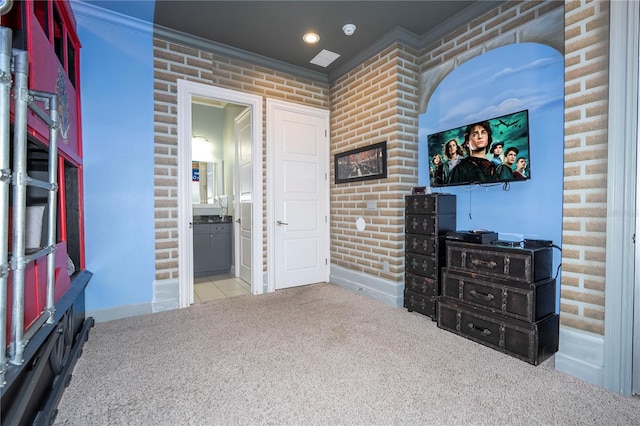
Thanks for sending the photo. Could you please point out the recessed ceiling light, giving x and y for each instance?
(311, 38)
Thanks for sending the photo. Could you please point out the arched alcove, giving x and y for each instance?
(547, 30)
(507, 79)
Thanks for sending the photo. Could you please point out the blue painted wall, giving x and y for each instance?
(502, 81)
(117, 93)
(116, 65)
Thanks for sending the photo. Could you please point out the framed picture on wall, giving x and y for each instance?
(369, 162)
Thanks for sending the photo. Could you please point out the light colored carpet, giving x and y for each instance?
(316, 354)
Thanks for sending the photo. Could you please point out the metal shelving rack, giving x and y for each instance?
(43, 325)
(16, 62)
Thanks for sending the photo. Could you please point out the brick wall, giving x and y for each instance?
(375, 102)
(378, 101)
(582, 282)
(585, 169)
(172, 62)
(495, 28)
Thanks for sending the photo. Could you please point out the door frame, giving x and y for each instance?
(187, 91)
(272, 105)
(622, 278)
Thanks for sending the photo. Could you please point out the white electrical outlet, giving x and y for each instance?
(385, 266)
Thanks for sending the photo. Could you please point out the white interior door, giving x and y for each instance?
(244, 190)
(300, 210)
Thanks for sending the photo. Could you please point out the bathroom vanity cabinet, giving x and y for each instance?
(211, 249)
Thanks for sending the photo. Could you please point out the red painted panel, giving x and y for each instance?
(48, 75)
(35, 291)
(35, 287)
(63, 281)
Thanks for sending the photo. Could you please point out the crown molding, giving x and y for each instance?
(464, 17)
(409, 39)
(195, 42)
(397, 35)
(84, 10)
(88, 11)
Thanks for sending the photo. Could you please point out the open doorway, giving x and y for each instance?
(230, 181)
(221, 236)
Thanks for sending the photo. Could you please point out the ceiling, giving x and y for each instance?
(272, 31)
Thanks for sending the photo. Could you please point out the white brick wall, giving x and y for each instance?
(585, 156)
(172, 62)
(585, 44)
(378, 101)
(375, 102)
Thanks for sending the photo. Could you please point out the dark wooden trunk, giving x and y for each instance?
(501, 297)
(524, 301)
(512, 263)
(428, 217)
(416, 302)
(532, 342)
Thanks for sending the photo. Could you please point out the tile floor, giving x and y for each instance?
(218, 287)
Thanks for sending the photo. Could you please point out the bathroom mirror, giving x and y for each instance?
(206, 183)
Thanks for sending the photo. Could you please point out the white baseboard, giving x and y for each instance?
(165, 298)
(385, 291)
(166, 295)
(581, 355)
(104, 315)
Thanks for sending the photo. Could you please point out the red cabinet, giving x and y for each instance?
(44, 164)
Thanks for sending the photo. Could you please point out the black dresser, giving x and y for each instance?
(427, 219)
(502, 297)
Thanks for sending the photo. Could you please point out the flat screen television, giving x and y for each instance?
(490, 151)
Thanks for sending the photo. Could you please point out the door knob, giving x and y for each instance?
(238, 220)
(280, 223)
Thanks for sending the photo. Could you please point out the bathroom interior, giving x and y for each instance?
(213, 147)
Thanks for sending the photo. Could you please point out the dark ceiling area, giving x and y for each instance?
(274, 29)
